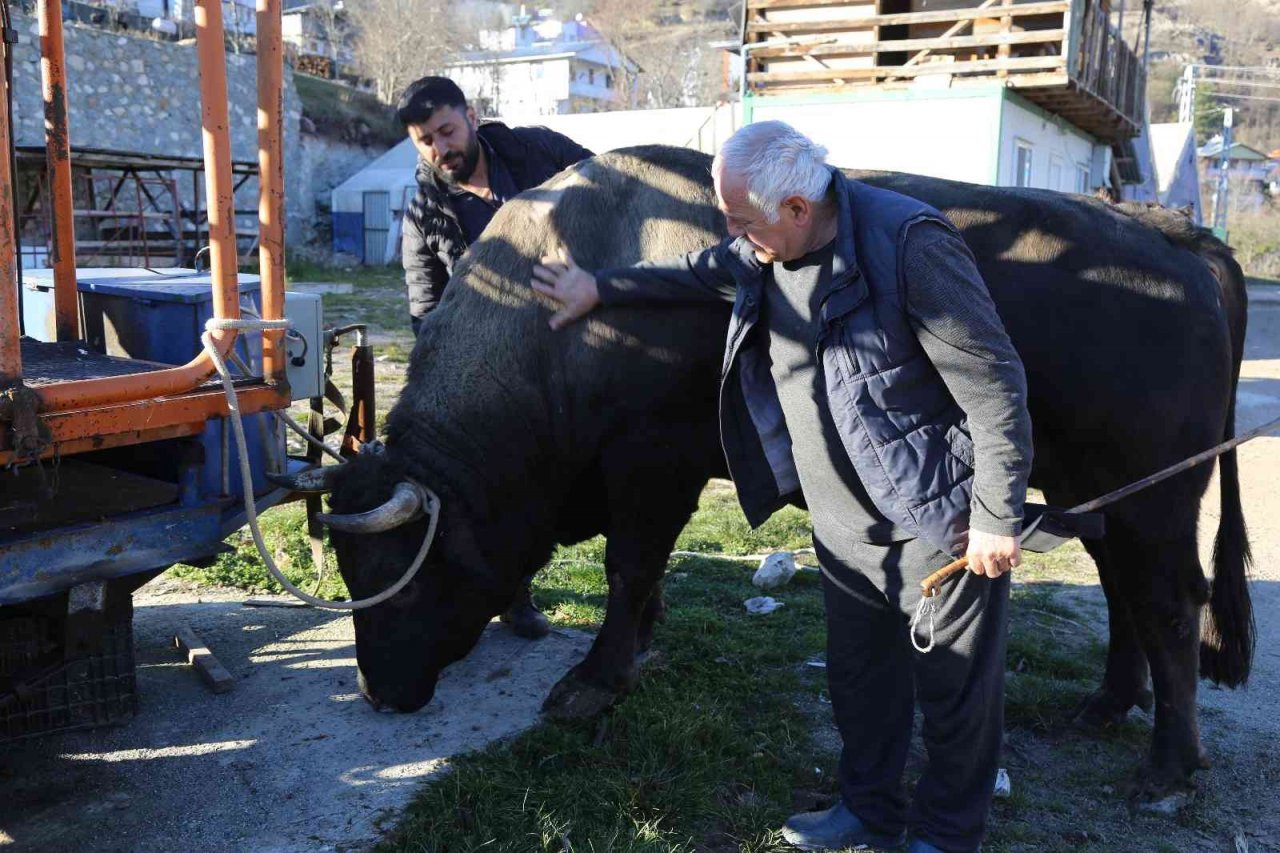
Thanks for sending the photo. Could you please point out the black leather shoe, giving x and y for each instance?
(524, 619)
(836, 828)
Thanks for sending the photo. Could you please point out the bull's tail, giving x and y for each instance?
(1226, 648)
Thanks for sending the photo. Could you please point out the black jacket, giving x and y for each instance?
(433, 239)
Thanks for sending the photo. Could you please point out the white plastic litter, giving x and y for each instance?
(761, 604)
(1004, 788)
(775, 570)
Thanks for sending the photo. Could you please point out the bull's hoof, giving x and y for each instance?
(573, 699)
(1167, 806)
(1102, 710)
(526, 621)
(1160, 792)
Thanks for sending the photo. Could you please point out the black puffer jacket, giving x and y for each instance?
(433, 239)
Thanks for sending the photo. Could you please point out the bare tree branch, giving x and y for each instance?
(398, 41)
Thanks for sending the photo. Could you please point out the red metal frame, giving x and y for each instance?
(90, 413)
(57, 137)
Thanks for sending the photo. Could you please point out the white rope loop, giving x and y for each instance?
(430, 502)
(926, 607)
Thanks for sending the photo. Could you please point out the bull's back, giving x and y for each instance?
(614, 366)
(1122, 331)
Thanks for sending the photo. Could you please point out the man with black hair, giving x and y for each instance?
(466, 171)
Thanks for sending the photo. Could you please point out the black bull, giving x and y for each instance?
(1130, 323)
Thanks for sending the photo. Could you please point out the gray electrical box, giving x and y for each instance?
(304, 345)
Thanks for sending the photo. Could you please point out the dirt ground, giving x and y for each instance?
(1240, 729)
(291, 759)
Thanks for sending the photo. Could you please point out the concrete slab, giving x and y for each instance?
(292, 759)
(321, 287)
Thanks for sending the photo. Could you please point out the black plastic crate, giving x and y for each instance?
(42, 694)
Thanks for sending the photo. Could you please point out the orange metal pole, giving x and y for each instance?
(271, 181)
(10, 345)
(57, 140)
(210, 50)
(216, 131)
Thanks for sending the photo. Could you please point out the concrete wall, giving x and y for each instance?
(947, 133)
(965, 134)
(1060, 152)
(142, 96)
(323, 164)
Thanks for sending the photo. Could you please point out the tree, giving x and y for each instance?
(397, 41)
(675, 67)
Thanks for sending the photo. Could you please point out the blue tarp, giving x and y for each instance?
(348, 233)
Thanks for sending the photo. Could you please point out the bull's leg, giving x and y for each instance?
(650, 498)
(1160, 581)
(1126, 681)
(634, 563)
(655, 613)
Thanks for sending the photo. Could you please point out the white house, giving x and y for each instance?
(308, 29)
(239, 17)
(538, 67)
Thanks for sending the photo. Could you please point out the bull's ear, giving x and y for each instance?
(313, 481)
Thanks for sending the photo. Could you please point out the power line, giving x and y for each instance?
(1255, 69)
(1216, 82)
(1245, 97)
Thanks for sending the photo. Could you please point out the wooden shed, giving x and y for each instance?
(1064, 56)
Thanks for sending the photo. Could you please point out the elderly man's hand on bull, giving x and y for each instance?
(568, 284)
(991, 554)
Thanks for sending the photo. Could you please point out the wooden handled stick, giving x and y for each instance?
(929, 586)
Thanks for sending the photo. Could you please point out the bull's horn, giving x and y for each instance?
(404, 505)
(313, 481)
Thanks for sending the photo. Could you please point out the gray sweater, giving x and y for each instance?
(957, 341)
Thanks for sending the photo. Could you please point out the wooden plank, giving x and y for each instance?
(1006, 26)
(940, 17)
(793, 4)
(955, 68)
(953, 30)
(828, 48)
(198, 655)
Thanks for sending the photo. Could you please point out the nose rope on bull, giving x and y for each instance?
(430, 502)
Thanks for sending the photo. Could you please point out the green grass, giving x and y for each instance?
(703, 755)
(285, 532)
(727, 732)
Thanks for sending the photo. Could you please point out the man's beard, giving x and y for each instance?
(460, 167)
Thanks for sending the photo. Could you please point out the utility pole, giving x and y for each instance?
(1224, 178)
(1187, 95)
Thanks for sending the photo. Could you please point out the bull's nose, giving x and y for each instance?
(374, 702)
(377, 705)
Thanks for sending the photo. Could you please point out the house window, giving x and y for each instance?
(591, 77)
(1055, 172)
(1022, 164)
(1082, 178)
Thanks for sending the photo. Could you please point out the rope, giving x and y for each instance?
(924, 608)
(430, 502)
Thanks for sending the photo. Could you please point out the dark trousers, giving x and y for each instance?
(875, 677)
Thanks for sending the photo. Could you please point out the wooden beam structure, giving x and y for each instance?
(1063, 55)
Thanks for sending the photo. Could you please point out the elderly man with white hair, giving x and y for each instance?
(868, 375)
